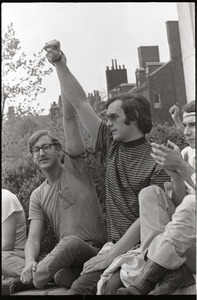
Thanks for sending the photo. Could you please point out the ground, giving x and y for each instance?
(51, 289)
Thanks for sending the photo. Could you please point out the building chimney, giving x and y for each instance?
(148, 54)
(112, 64)
(116, 63)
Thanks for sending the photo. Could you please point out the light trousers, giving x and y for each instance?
(13, 263)
(168, 232)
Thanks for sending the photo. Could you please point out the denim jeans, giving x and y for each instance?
(114, 283)
(70, 252)
(86, 284)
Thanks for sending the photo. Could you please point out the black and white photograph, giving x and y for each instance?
(98, 150)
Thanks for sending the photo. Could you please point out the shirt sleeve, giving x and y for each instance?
(10, 204)
(159, 177)
(35, 210)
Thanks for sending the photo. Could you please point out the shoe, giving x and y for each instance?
(150, 275)
(15, 287)
(172, 280)
(7, 283)
(19, 286)
(66, 276)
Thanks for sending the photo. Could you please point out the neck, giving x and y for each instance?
(136, 135)
(53, 173)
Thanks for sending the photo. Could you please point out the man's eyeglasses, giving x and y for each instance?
(45, 147)
(113, 116)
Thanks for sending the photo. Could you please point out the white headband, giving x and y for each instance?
(190, 114)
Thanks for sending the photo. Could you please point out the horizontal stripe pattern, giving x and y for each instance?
(129, 168)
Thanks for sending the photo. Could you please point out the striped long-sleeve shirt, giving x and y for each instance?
(129, 168)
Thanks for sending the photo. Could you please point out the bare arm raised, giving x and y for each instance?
(74, 140)
(72, 89)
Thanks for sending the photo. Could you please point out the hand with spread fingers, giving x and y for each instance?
(99, 262)
(167, 156)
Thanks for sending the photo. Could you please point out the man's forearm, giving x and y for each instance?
(32, 251)
(129, 240)
(186, 171)
(70, 86)
(179, 191)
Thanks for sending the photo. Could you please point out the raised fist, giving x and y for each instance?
(54, 54)
(174, 110)
(54, 44)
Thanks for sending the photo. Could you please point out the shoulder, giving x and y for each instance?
(8, 198)
(10, 204)
(38, 190)
(186, 150)
(188, 153)
(75, 165)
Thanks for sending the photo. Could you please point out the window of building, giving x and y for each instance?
(157, 100)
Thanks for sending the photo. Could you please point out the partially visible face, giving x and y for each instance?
(46, 160)
(116, 122)
(189, 122)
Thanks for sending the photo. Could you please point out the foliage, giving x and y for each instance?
(162, 133)
(21, 176)
(21, 77)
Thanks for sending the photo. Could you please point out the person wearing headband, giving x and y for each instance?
(170, 261)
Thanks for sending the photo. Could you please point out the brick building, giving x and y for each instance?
(56, 109)
(162, 84)
(115, 76)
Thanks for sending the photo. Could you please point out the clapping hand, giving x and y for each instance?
(168, 156)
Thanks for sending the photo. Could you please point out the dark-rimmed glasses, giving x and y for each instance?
(45, 147)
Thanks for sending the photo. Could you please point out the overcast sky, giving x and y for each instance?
(91, 35)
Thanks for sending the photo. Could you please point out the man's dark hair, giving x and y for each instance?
(189, 107)
(136, 108)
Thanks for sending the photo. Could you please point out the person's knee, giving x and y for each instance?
(69, 245)
(188, 203)
(39, 284)
(148, 193)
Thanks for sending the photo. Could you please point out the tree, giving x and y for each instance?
(21, 77)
